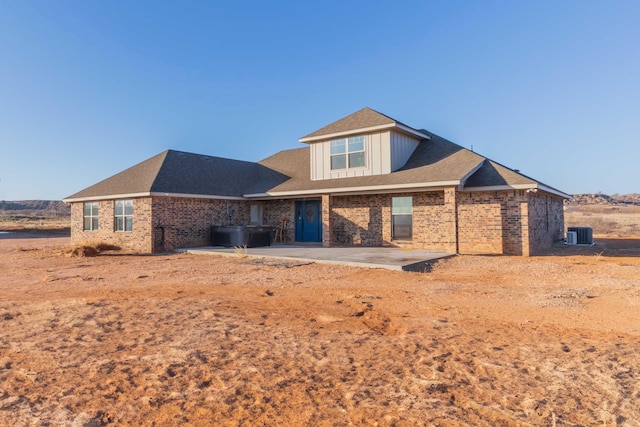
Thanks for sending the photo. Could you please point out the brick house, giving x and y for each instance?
(366, 179)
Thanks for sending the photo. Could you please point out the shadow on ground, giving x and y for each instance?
(605, 246)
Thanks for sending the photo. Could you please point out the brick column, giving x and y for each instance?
(450, 219)
(526, 235)
(327, 235)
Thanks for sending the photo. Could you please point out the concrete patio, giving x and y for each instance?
(417, 260)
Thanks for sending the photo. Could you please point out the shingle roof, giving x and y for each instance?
(177, 172)
(362, 119)
(136, 179)
(494, 174)
(174, 172)
(435, 162)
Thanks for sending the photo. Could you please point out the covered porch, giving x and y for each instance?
(367, 220)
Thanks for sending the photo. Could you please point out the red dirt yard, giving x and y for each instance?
(192, 340)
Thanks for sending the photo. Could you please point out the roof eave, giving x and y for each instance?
(400, 126)
(468, 174)
(390, 188)
(412, 131)
(533, 186)
(150, 194)
(197, 196)
(106, 197)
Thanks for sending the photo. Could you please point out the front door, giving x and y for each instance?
(308, 221)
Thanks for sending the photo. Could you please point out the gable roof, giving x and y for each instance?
(435, 163)
(179, 173)
(494, 176)
(364, 120)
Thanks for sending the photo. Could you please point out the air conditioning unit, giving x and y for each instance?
(584, 235)
(572, 238)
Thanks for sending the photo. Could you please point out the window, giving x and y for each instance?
(124, 215)
(401, 217)
(255, 212)
(90, 216)
(347, 153)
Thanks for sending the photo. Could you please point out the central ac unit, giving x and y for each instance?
(584, 235)
(572, 238)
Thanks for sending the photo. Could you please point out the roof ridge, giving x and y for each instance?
(162, 164)
(207, 156)
(378, 112)
(364, 118)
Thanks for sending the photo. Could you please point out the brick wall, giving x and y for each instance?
(513, 222)
(360, 220)
(434, 220)
(186, 222)
(159, 223)
(366, 221)
(493, 222)
(327, 220)
(546, 221)
(274, 211)
(137, 240)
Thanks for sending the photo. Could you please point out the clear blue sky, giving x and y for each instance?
(89, 88)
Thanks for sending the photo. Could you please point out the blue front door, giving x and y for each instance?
(308, 221)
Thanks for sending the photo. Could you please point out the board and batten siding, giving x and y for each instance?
(385, 152)
(402, 147)
(377, 159)
(316, 157)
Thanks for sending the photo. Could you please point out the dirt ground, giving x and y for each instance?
(194, 340)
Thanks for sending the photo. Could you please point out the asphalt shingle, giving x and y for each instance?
(177, 172)
(435, 161)
(359, 120)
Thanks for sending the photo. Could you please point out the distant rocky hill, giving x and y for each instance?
(604, 199)
(40, 207)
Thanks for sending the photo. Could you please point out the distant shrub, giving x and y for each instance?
(83, 251)
(91, 250)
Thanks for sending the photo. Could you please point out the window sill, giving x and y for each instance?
(359, 168)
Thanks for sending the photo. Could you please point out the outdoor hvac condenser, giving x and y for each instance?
(584, 235)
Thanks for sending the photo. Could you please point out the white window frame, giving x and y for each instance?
(401, 211)
(90, 222)
(123, 217)
(343, 148)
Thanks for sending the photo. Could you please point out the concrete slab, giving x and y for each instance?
(389, 258)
